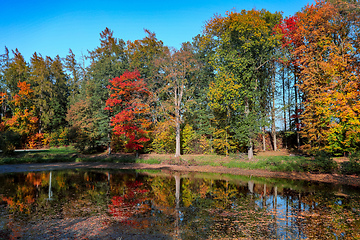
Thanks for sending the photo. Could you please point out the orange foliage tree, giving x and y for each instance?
(23, 120)
(128, 98)
(329, 79)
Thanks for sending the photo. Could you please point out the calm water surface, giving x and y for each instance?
(107, 204)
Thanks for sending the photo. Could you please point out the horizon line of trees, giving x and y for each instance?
(247, 73)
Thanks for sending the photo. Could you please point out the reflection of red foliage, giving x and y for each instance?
(130, 204)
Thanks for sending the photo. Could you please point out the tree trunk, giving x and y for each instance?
(284, 103)
(250, 146)
(296, 113)
(109, 139)
(274, 140)
(250, 151)
(177, 129)
(273, 128)
(264, 140)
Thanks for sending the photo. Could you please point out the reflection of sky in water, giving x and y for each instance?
(284, 219)
(154, 204)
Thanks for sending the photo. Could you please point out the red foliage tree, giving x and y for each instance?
(128, 98)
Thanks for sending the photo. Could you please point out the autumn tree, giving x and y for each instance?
(176, 74)
(19, 119)
(290, 40)
(243, 55)
(23, 119)
(128, 101)
(328, 57)
(17, 70)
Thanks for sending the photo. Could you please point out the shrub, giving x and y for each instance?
(9, 140)
(353, 165)
(164, 138)
(187, 139)
(35, 140)
(205, 145)
(60, 137)
(321, 162)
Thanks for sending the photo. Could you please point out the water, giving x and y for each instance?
(101, 204)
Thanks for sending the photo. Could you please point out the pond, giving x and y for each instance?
(109, 204)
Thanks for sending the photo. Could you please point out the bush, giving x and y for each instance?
(321, 162)
(60, 137)
(164, 138)
(35, 141)
(187, 139)
(353, 165)
(205, 145)
(9, 140)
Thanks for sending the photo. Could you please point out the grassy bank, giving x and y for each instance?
(61, 154)
(317, 164)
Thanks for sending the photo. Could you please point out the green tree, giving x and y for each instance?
(60, 95)
(143, 55)
(244, 49)
(40, 80)
(4, 64)
(74, 79)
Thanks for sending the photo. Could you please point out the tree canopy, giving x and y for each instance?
(250, 79)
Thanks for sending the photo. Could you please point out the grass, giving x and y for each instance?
(271, 163)
(61, 154)
(278, 163)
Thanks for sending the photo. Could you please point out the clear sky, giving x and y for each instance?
(52, 27)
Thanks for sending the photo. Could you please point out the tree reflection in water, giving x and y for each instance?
(111, 204)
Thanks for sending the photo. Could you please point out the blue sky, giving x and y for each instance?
(52, 27)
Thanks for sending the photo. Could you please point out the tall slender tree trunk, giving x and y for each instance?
(177, 124)
(283, 96)
(264, 140)
(284, 104)
(250, 146)
(290, 104)
(250, 150)
(273, 128)
(296, 113)
(177, 148)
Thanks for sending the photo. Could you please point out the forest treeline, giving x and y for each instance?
(248, 75)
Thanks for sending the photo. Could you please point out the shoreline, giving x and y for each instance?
(325, 178)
